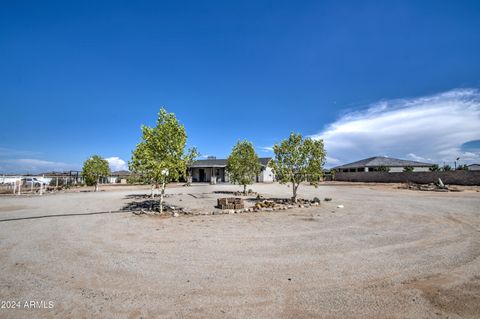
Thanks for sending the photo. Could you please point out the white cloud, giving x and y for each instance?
(266, 149)
(31, 165)
(117, 164)
(431, 128)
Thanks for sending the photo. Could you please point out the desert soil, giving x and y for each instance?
(389, 253)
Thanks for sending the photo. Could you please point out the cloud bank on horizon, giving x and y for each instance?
(117, 164)
(35, 166)
(436, 128)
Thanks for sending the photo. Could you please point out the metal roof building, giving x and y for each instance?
(373, 163)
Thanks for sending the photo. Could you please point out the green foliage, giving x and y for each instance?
(408, 169)
(162, 148)
(333, 172)
(160, 156)
(434, 168)
(242, 164)
(135, 178)
(446, 168)
(94, 168)
(297, 159)
(383, 168)
(190, 157)
(463, 167)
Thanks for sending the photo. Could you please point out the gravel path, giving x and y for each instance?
(388, 254)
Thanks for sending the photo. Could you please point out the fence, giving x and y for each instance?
(22, 184)
(450, 177)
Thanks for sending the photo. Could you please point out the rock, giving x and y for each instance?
(231, 211)
(340, 206)
(289, 206)
(269, 209)
(175, 214)
(316, 200)
(327, 199)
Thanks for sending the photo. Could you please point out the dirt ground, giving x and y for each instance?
(389, 253)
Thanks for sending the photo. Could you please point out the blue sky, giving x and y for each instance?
(396, 78)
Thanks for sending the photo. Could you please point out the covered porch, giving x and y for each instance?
(205, 174)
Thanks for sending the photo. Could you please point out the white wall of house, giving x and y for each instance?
(415, 169)
(421, 169)
(266, 175)
(111, 179)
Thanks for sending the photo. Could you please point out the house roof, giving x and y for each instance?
(223, 162)
(384, 161)
(120, 173)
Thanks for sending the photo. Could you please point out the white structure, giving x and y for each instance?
(266, 175)
(373, 164)
(474, 167)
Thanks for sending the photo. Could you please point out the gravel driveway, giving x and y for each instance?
(389, 253)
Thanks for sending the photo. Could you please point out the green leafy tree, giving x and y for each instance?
(297, 159)
(190, 158)
(243, 165)
(142, 166)
(93, 169)
(383, 168)
(333, 172)
(463, 167)
(446, 168)
(160, 157)
(408, 169)
(434, 168)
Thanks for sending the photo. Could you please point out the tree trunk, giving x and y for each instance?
(294, 188)
(96, 185)
(245, 190)
(162, 195)
(152, 194)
